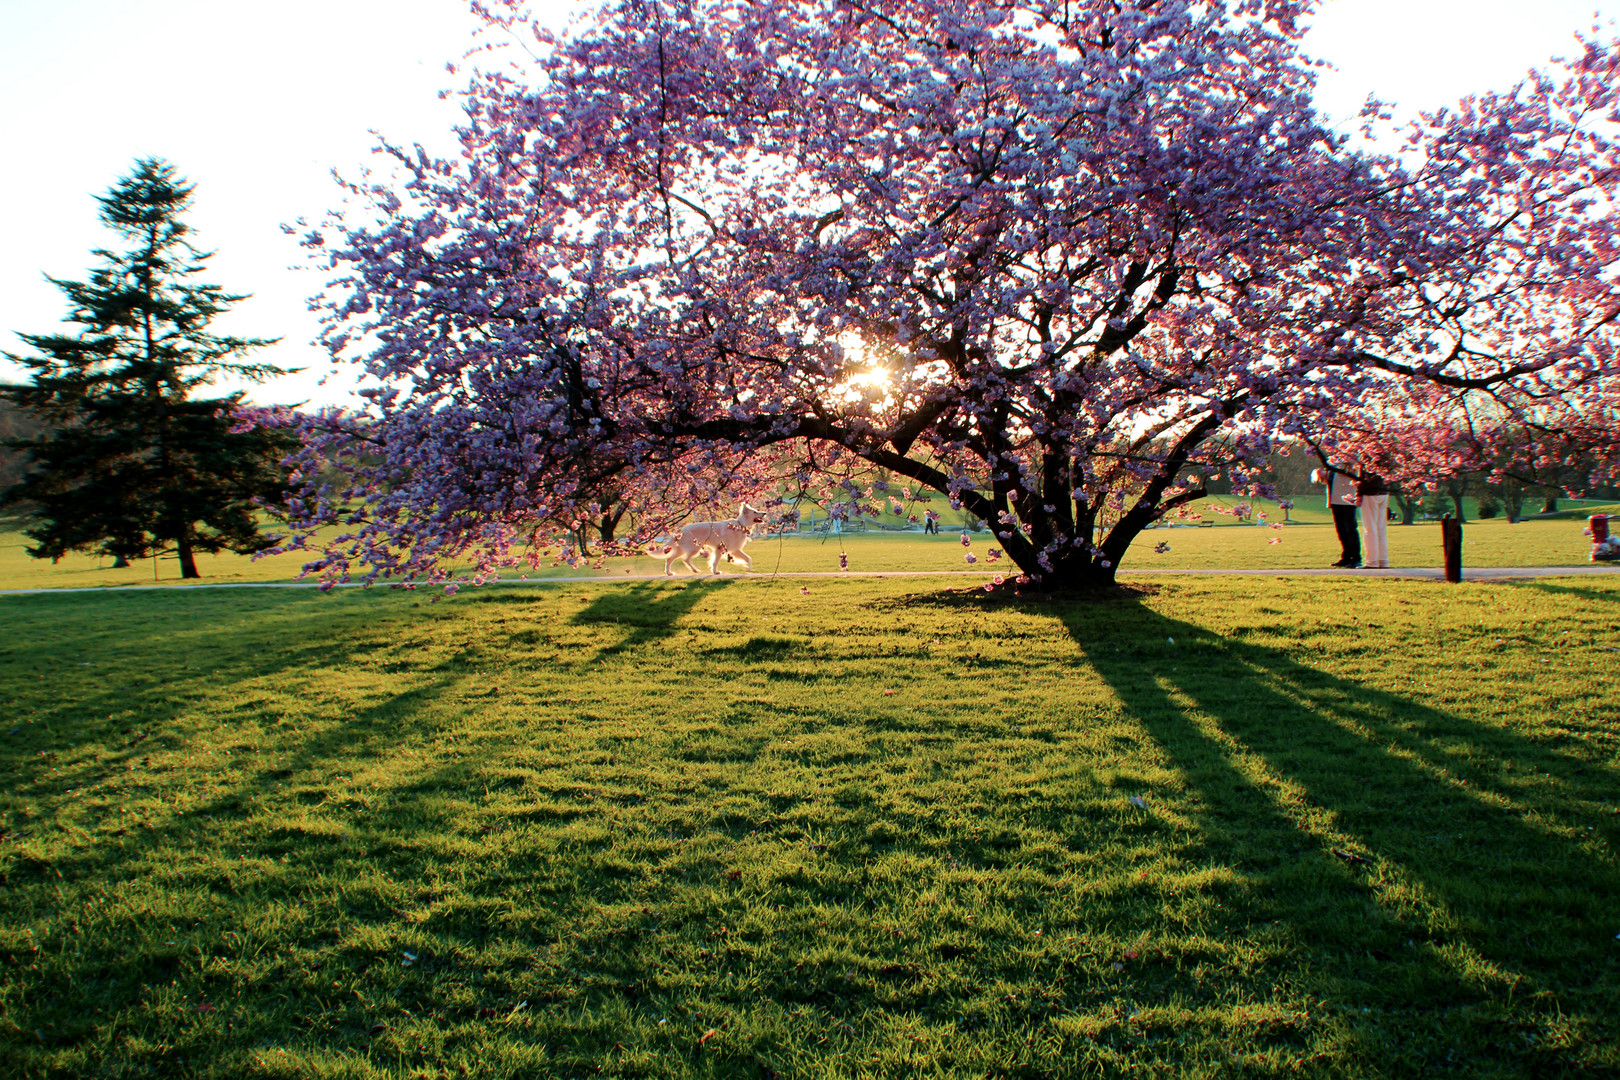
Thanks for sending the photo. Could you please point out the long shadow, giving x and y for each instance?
(1419, 884)
(1601, 596)
(328, 890)
(650, 612)
(216, 651)
(201, 645)
(332, 892)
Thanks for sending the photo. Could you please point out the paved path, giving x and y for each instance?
(1419, 573)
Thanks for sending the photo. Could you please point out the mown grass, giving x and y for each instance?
(1225, 545)
(1237, 827)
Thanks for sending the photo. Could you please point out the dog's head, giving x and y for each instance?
(750, 517)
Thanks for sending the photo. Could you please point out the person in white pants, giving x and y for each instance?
(1373, 496)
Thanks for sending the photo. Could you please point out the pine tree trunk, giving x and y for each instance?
(188, 562)
(120, 563)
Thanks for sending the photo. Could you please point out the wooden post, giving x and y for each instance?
(1451, 542)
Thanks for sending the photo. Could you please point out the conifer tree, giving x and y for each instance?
(133, 464)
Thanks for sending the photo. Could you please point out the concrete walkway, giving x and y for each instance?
(1417, 573)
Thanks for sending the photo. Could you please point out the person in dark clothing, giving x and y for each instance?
(1342, 499)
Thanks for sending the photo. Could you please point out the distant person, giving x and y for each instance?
(931, 523)
(1341, 499)
(1373, 494)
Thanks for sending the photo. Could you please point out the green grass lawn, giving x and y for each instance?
(1226, 544)
(1226, 827)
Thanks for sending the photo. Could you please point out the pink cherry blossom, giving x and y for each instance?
(1103, 251)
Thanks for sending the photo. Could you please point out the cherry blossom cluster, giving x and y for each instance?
(1053, 262)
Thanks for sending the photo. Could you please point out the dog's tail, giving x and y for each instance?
(656, 554)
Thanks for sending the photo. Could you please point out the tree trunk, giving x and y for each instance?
(609, 525)
(1080, 573)
(1513, 502)
(1550, 506)
(1455, 489)
(188, 562)
(1409, 508)
(120, 563)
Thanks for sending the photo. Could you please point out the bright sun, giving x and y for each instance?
(865, 378)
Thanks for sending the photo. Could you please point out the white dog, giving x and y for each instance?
(716, 537)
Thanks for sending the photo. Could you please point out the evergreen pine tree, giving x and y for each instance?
(132, 464)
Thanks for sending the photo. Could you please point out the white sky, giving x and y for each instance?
(257, 103)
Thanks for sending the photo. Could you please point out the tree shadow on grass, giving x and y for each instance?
(137, 863)
(1412, 880)
(648, 612)
(297, 872)
(1601, 596)
(207, 650)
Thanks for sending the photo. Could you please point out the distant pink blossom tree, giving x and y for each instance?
(1050, 259)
